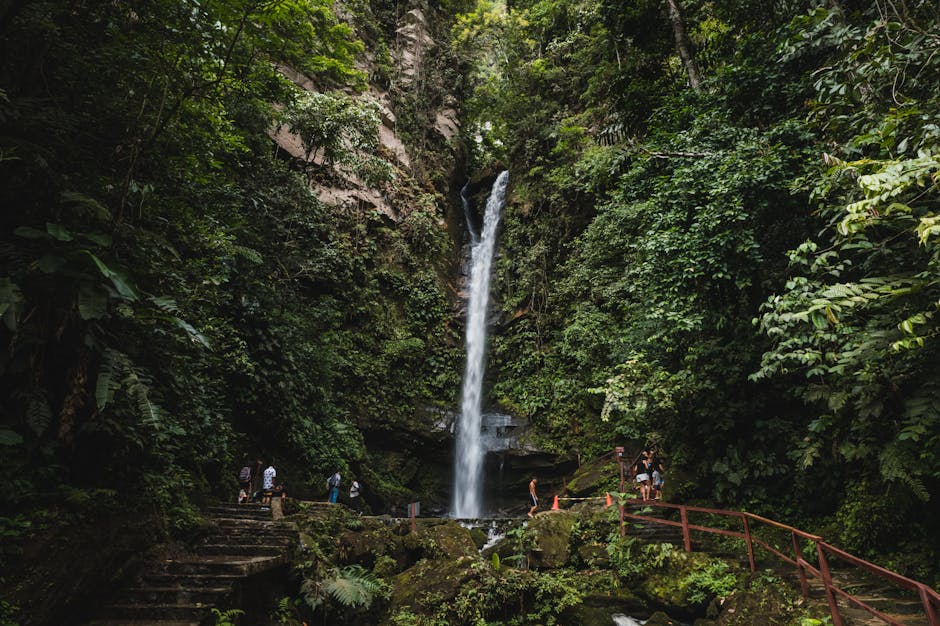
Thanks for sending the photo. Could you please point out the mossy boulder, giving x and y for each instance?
(595, 477)
(551, 535)
(594, 554)
(440, 579)
(479, 537)
(446, 539)
(603, 597)
(661, 619)
(363, 546)
(763, 606)
(678, 585)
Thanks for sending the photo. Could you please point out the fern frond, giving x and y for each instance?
(893, 470)
(38, 412)
(353, 586)
(114, 365)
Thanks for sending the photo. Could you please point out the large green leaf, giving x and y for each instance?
(92, 302)
(119, 278)
(11, 303)
(10, 437)
(59, 232)
(87, 203)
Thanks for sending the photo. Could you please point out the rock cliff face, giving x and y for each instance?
(415, 53)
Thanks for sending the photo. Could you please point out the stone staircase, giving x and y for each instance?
(900, 605)
(651, 532)
(242, 554)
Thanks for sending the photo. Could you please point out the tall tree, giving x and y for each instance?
(683, 46)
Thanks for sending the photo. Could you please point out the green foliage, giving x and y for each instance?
(226, 618)
(340, 130)
(649, 223)
(8, 614)
(856, 320)
(716, 579)
(633, 560)
(351, 586)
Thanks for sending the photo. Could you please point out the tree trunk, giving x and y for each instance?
(682, 43)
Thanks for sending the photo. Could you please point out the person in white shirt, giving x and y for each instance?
(268, 484)
(354, 498)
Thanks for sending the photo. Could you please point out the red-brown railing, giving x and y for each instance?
(928, 596)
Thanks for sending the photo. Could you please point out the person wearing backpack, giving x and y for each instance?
(332, 483)
(244, 483)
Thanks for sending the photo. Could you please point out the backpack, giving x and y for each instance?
(331, 481)
(244, 475)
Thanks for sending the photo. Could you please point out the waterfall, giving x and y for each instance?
(465, 202)
(468, 465)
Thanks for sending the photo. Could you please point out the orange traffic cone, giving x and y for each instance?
(609, 501)
(555, 504)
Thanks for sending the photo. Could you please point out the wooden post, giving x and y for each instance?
(618, 452)
(804, 586)
(684, 515)
(827, 581)
(623, 530)
(747, 541)
(932, 618)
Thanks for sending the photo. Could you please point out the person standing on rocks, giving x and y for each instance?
(534, 499)
(267, 486)
(244, 483)
(332, 483)
(354, 496)
(659, 469)
(641, 472)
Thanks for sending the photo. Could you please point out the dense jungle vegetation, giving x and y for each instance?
(723, 237)
(735, 256)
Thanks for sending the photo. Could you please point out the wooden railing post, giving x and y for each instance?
(804, 586)
(747, 541)
(623, 530)
(684, 515)
(827, 581)
(932, 618)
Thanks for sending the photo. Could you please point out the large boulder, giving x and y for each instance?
(437, 578)
(551, 536)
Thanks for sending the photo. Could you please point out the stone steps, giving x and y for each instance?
(223, 564)
(191, 580)
(174, 595)
(241, 549)
(145, 612)
(155, 622)
(245, 544)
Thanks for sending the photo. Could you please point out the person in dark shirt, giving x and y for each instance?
(659, 468)
(641, 472)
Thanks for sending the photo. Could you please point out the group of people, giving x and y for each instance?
(255, 484)
(355, 491)
(648, 475)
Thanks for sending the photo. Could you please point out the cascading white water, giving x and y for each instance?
(474, 237)
(468, 465)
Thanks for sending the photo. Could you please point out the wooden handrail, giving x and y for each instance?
(929, 597)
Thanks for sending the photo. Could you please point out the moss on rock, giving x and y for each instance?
(551, 535)
(479, 537)
(671, 586)
(440, 579)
